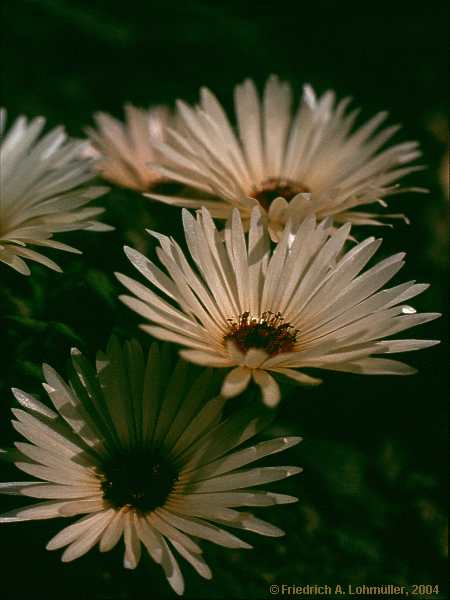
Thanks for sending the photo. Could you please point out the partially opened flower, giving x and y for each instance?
(43, 191)
(291, 165)
(126, 151)
(142, 453)
(304, 305)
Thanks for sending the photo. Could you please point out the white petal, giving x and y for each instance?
(112, 533)
(195, 560)
(88, 538)
(171, 569)
(235, 382)
(74, 531)
(151, 539)
(202, 529)
(42, 510)
(270, 389)
(132, 541)
(298, 376)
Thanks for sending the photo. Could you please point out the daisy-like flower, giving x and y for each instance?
(304, 305)
(291, 165)
(42, 192)
(142, 453)
(126, 151)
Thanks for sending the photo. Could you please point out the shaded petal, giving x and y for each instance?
(236, 381)
(270, 389)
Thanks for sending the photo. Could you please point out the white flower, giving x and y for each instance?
(142, 453)
(42, 192)
(313, 162)
(304, 305)
(126, 151)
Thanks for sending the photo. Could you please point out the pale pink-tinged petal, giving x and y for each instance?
(132, 541)
(72, 532)
(298, 376)
(124, 151)
(269, 387)
(87, 539)
(113, 532)
(236, 381)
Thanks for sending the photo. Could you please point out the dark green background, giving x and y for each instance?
(372, 506)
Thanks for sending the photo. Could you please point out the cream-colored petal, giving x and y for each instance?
(204, 530)
(270, 389)
(195, 560)
(87, 539)
(152, 539)
(297, 376)
(113, 532)
(132, 541)
(72, 532)
(235, 382)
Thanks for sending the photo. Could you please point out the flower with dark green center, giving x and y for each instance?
(139, 450)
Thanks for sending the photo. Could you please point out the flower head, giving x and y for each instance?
(126, 151)
(42, 192)
(262, 312)
(289, 165)
(141, 452)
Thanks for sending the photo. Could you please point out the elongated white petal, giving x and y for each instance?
(67, 535)
(112, 533)
(204, 530)
(171, 569)
(79, 507)
(132, 542)
(165, 528)
(43, 510)
(250, 523)
(195, 560)
(301, 378)
(151, 539)
(16, 488)
(244, 479)
(88, 538)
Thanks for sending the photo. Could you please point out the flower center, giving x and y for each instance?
(268, 332)
(274, 187)
(139, 479)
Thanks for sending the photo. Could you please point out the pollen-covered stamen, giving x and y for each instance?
(274, 187)
(268, 332)
(139, 479)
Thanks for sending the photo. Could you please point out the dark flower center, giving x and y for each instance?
(274, 187)
(139, 479)
(268, 332)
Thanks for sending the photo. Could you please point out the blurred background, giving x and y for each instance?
(372, 506)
